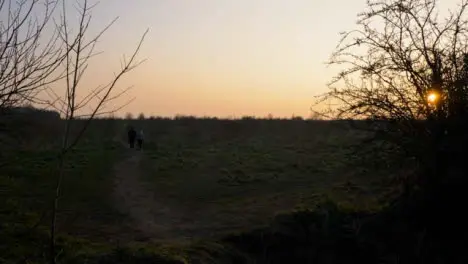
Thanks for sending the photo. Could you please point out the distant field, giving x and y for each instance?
(221, 181)
(194, 178)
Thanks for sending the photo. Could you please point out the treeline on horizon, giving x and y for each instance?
(40, 112)
(31, 112)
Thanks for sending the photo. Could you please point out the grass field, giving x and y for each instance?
(224, 184)
(195, 178)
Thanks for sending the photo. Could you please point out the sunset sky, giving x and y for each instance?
(222, 57)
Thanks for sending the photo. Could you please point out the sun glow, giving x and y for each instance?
(432, 97)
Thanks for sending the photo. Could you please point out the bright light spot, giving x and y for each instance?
(432, 97)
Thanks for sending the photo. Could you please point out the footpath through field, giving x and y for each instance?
(151, 218)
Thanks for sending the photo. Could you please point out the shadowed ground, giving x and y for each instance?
(154, 218)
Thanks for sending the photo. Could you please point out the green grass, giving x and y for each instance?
(27, 187)
(230, 176)
(241, 181)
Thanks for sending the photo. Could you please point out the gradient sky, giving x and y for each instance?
(223, 57)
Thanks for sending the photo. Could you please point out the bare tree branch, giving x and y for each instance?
(400, 53)
(78, 52)
(413, 54)
(28, 60)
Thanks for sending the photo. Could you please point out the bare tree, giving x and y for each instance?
(402, 63)
(29, 55)
(80, 48)
(405, 69)
(129, 116)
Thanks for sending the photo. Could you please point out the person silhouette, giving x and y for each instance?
(131, 136)
(140, 137)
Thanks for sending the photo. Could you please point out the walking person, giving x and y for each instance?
(131, 137)
(140, 138)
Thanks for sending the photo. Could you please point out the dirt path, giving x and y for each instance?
(133, 198)
(151, 217)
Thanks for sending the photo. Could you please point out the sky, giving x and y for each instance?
(220, 57)
(225, 58)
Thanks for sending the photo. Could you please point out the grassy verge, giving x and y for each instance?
(85, 209)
